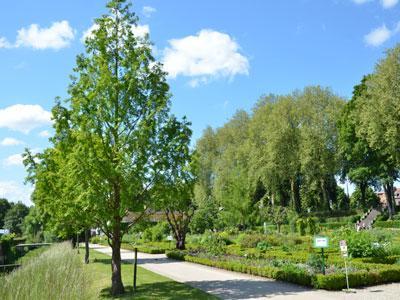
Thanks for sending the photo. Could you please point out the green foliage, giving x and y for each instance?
(365, 243)
(4, 207)
(7, 247)
(301, 226)
(371, 199)
(14, 218)
(315, 262)
(251, 240)
(263, 246)
(156, 233)
(33, 225)
(213, 244)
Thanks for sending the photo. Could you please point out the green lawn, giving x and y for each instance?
(149, 284)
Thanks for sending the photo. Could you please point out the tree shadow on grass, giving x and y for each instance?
(159, 290)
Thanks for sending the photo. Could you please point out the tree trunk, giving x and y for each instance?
(117, 287)
(295, 195)
(87, 234)
(388, 187)
(363, 190)
(180, 242)
(325, 196)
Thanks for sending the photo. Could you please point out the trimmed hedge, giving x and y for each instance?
(372, 275)
(141, 248)
(357, 279)
(387, 224)
(287, 273)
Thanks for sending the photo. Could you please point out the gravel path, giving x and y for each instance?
(232, 285)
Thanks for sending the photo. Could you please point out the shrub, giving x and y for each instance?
(301, 226)
(7, 247)
(263, 246)
(213, 244)
(251, 240)
(315, 262)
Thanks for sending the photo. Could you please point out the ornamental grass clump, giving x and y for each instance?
(57, 273)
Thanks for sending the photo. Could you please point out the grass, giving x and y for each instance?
(149, 285)
(57, 273)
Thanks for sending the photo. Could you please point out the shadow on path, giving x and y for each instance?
(244, 289)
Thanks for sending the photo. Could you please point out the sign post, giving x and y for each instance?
(321, 242)
(343, 250)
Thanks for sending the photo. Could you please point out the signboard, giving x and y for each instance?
(320, 242)
(343, 248)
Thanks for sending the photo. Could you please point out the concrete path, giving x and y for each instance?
(232, 285)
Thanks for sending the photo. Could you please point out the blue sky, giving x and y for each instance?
(221, 56)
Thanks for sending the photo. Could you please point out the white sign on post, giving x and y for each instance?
(343, 248)
(320, 242)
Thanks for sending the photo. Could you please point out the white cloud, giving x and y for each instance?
(388, 3)
(24, 118)
(15, 192)
(139, 31)
(4, 43)
(58, 35)
(208, 55)
(13, 160)
(44, 133)
(361, 1)
(147, 11)
(378, 36)
(11, 142)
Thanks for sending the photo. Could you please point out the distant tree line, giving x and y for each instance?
(291, 150)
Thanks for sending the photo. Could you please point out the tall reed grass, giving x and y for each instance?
(57, 273)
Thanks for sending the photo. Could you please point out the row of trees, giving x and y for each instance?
(291, 150)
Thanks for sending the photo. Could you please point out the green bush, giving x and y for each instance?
(387, 224)
(251, 240)
(301, 226)
(263, 246)
(156, 233)
(315, 262)
(7, 247)
(213, 243)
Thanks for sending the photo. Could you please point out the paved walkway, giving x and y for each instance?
(232, 285)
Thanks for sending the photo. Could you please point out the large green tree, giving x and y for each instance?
(14, 218)
(4, 207)
(379, 114)
(109, 147)
(359, 162)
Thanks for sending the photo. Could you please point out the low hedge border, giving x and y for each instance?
(375, 273)
(141, 248)
(284, 274)
(387, 224)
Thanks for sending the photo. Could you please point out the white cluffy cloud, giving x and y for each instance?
(15, 192)
(361, 1)
(385, 3)
(58, 35)
(209, 54)
(11, 142)
(379, 35)
(138, 30)
(147, 11)
(24, 118)
(388, 3)
(13, 160)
